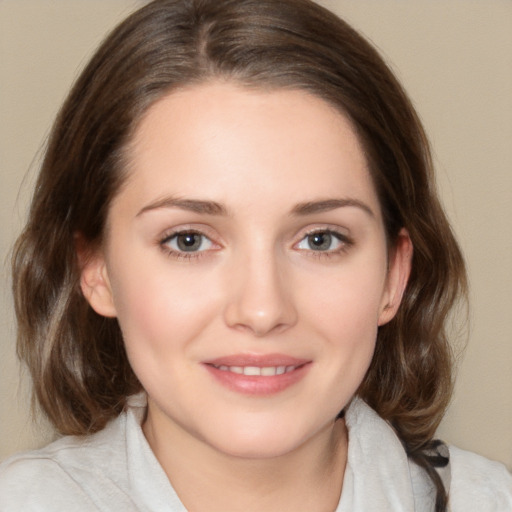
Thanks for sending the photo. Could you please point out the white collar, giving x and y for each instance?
(378, 475)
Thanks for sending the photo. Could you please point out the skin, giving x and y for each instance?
(253, 175)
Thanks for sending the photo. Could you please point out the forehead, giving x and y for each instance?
(224, 141)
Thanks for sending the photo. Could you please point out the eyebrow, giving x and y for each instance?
(214, 208)
(312, 207)
(192, 205)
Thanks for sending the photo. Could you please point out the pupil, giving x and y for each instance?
(189, 242)
(320, 241)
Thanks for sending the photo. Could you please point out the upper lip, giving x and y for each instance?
(257, 360)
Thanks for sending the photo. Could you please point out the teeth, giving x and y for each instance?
(252, 370)
(266, 371)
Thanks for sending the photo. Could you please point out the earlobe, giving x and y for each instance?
(94, 282)
(400, 263)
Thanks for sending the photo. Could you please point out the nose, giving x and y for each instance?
(261, 297)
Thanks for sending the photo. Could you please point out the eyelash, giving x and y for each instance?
(345, 243)
(343, 239)
(182, 255)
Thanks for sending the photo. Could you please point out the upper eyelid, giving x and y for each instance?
(336, 230)
(190, 228)
(173, 233)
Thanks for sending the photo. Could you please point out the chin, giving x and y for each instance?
(258, 450)
(263, 440)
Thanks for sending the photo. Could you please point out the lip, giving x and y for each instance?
(257, 384)
(258, 360)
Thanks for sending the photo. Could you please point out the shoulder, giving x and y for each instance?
(35, 482)
(73, 473)
(478, 484)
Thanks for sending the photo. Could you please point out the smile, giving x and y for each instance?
(266, 371)
(261, 375)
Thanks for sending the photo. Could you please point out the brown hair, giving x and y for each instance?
(79, 368)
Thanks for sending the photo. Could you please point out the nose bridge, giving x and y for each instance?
(261, 299)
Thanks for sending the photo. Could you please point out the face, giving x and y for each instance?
(247, 264)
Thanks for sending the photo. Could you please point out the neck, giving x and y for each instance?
(309, 478)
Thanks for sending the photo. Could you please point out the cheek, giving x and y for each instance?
(348, 300)
(349, 323)
(343, 311)
(161, 308)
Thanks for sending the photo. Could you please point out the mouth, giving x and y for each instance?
(258, 375)
(265, 371)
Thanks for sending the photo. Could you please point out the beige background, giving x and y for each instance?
(455, 59)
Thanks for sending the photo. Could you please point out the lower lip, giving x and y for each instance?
(257, 384)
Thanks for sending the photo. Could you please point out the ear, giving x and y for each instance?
(399, 269)
(94, 280)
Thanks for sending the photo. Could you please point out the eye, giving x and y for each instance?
(188, 241)
(323, 241)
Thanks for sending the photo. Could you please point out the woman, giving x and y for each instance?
(233, 283)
